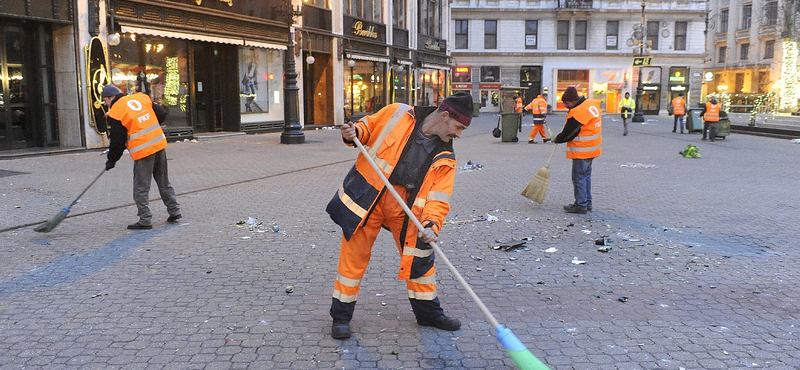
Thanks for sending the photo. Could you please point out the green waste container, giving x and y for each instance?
(511, 124)
(476, 109)
(693, 121)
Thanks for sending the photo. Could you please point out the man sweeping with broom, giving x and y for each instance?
(582, 133)
(414, 148)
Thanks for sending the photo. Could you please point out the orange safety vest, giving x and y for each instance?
(518, 105)
(145, 136)
(384, 135)
(537, 106)
(588, 143)
(712, 112)
(678, 106)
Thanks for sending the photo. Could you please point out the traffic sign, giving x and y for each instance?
(642, 61)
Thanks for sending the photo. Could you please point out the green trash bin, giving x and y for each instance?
(693, 121)
(476, 109)
(511, 124)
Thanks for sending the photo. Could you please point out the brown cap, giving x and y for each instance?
(571, 94)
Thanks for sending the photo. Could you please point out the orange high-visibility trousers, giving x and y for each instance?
(538, 128)
(354, 254)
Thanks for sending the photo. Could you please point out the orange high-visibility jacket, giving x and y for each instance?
(385, 135)
(712, 112)
(537, 106)
(145, 135)
(678, 106)
(518, 105)
(588, 143)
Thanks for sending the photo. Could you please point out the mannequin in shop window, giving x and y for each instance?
(250, 85)
(142, 85)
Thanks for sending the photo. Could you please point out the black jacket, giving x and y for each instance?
(571, 129)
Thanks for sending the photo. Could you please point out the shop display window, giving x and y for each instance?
(157, 67)
(257, 79)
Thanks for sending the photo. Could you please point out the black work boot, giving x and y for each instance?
(441, 322)
(340, 330)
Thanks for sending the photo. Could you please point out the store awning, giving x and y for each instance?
(435, 66)
(198, 37)
(369, 58)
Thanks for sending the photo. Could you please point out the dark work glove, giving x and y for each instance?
(110, 164)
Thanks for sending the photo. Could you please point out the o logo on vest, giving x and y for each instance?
(135, 105)
(594, 111)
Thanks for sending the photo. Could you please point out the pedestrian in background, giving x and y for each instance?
(414, 148)
(678, 110)
(626, 106)
(583, 134)
(517, 104)
(538, 107)
(135, 122)
(710, 114)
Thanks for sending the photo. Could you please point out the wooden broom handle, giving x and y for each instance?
(435, 246)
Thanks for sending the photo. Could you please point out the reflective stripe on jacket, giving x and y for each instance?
(385, 135)
(588, 143)
(678, 106)
(537, 105)
(136, 114)
(712, 112)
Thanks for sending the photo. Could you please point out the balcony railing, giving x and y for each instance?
(575, 4)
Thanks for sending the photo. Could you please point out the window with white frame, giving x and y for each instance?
(490, 34)
(462, 33)
(612, 35)
(562, 35)
(747, 16)
(581, 29)
(680, 35)
(531, 34)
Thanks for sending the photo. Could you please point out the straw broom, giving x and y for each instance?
(522, 357)
(52, 223)
(537, 187)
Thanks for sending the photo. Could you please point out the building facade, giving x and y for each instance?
(747, 56)
(548, 45)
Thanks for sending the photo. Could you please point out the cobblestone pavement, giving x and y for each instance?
(704, 256)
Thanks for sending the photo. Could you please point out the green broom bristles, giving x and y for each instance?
(52, 223)
(522, 357)
(537, 187)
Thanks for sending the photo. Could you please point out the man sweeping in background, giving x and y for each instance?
(538, 107)
(582, 133)
(135, 122)
(414, 148)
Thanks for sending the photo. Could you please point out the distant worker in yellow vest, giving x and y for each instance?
(583, 134)
(135, 123)
(710, 114)
(626, 108)
(538, 108)
(679, 111)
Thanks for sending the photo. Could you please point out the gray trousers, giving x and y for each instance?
(153, 166)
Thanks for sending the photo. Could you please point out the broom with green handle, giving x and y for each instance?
(51, 224)
(522, 357)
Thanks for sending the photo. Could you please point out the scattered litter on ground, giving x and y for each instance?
(289, 289)
(551, 250)
(587, 232)
(691, 151)
(456, 222)
(380, 294)
(508, 246)
(255, 226)
(623, 299)
(470, 166)
(491, 218)
(576, 261)
(638, 165)
(187, 141)
(796, 141)
(604, 249)
(251, 223)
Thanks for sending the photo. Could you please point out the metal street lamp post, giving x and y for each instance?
(292, 133)
(638, 116)
(351, 63)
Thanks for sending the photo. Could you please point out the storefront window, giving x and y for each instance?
(157, 67)
(399, 85)
(571, 77)
(364, 87)
(257, 80)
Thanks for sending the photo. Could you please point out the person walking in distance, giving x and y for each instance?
(678, 110)
(517, 104)
(538, 107)
(583, 134)
(626, 107)
(710, 114)
(135, 122)
(414, 148)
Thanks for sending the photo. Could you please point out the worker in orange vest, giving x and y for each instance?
(583, 134)
(538, 108)
(710, 116)
(679, 111)
(135, 122)
(517, 104)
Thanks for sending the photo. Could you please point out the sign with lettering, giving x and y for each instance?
(432, 45)
(642, 61)
(229, 2)
(364, 30)
(97, 71)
